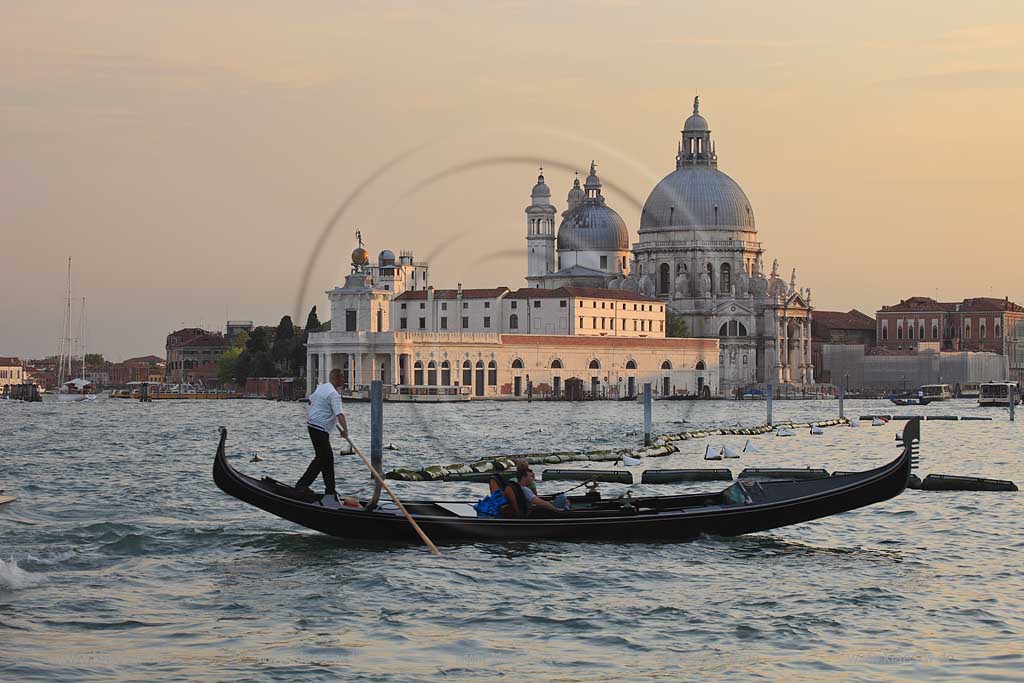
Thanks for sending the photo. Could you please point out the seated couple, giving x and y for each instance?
(518, 498)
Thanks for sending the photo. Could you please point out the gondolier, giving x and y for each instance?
(324, 414)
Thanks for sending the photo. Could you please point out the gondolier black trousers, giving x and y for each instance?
(323, 462)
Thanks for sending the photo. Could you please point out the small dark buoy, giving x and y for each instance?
(950, 482)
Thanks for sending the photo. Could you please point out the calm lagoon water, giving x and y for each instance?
(121, 561)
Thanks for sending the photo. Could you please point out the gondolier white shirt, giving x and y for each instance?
(324, 408)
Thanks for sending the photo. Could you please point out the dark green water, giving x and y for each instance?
(121, 561)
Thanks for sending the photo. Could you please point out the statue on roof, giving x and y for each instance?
(696, 104)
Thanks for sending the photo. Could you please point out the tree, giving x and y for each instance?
(241, 339)
(675, 325)
(284, 344)
(259, 340)
(227, 365)
(94, 360)
(312, 322)
(285, 329)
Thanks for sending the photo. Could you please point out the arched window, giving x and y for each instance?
(910, 331)
(417, 373)
(981, 329)
(513, 322)
(492, 373)
(920, 332)
(726, 280)
(631, 364)
(446, 373)
(885, 332)
(467, 373)
(899, 331)
(664, 279)
(517, 364)
(556, 364)
(967, 331)
(935, 331)
(995, 332)
(594, 365)
(432, 373)
(666, 365)
(723, 331)
(700, 365)
(742, 330)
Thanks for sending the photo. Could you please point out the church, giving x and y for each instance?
(698, 252)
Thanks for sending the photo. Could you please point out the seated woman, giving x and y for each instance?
(515, 502)
(533, 501)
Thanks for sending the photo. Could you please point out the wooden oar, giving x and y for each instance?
(380, 480)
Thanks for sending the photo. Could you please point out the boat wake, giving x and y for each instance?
(13, 577)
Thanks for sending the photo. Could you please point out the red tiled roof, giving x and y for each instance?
(203, 340)
(147, 360)
(919, 303)
(989, 304)
(10, 360)
(578, 292)
(581, 340)
(837, 320)
(421, 294)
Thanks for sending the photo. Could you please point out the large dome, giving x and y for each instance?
(697, 197)
(593, 226)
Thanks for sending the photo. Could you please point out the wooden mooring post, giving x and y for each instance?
(376, 436)
(1013, 401)
(769, 395)
(647, 413)
(842, 395)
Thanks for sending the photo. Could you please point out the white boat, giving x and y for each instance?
(815, 429)
(70, 388)
(749, 447)
(878, 422)
(629, 461)
(935, 392)
(729, 453)
(970, 390)
(998, 394)
(712, 453)
(783, 431)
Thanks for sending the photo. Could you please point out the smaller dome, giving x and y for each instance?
(592, 182)
(386, 258)
(696, 123)
(541, 189)
(360, 257)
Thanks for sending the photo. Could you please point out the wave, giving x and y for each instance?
(13, 577)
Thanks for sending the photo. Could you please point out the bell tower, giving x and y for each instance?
(540, 233)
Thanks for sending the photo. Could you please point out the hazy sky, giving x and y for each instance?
(188, 154)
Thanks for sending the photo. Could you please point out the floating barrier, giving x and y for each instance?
(6, 499)
(953, 418)
(613, 476)
(673, 476)
(950, 482)
(661, 446)
(782, 473)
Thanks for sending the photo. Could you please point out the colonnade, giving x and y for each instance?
(793, 350)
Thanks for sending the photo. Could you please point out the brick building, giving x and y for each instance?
(141, 369)
(192, 355)
(982, 324)
(12, 371)
(835, 332)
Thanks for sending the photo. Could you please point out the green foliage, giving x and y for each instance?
(241, 339)
(285, 329)
(227, 365)
(94, 360)
(312, 322)
(259, 340)
(675, 325)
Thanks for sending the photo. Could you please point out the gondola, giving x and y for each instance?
(909, 400)
(744, 507)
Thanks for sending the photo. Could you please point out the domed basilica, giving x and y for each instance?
(697, 251)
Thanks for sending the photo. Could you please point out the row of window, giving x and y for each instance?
(724, 278)
(935, 332)
(517, 364)
(609, 324)
(562, 303)
(403, 323)
(10, 374)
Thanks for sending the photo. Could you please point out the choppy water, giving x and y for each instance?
(122, 561)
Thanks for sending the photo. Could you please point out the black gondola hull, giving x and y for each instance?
(665, 518)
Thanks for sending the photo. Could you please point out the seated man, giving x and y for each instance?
(534, 501)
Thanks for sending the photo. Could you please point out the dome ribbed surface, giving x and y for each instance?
(593, 226)
(694, 192)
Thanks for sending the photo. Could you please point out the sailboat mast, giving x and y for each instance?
(64, 362)
(81, 335)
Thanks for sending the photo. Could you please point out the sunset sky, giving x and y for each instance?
(187, 155)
